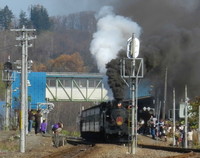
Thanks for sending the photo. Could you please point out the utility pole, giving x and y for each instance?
(165, 96)
(199, 127)
(174, 118)
(186, 117)
(24, 37)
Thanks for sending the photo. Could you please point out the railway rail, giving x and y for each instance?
(169, 148)
(82, 148)
(76, 151)
(187, 152)
(185, 155)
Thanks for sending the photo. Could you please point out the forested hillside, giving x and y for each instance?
(62, 42)
(58, 38)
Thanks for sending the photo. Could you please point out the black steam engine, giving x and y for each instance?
(107, 121)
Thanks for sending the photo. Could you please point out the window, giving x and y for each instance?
(51, 82)
(81, 82)
(68, 83)
(63, 82)
(94, 82)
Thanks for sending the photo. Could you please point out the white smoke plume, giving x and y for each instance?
(111, 36)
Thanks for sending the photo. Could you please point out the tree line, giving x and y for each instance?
(56, 37)
(39, 18)
(62, 42)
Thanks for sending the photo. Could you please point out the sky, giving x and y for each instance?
(55, 7)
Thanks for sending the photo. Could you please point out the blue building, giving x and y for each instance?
(59, 86)
(67, 86)
(36, 89)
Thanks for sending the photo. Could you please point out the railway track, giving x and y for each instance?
(187, 153)
(79, 149)
(83, 149)
(168, 148)
(74, 152)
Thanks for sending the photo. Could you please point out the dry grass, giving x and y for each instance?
(9, 145)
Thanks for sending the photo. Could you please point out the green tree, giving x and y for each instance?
(194, 112)
(6, 16)
(40, 18)
(23, 20)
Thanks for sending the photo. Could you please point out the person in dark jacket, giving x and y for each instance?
(31, 118)
(38, 117)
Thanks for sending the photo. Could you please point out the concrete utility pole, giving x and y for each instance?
(186, 117)
(24, 37)
(174, 118)
(199, 127)
(165, 96)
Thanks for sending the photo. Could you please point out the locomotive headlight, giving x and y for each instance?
(119, 105)
(119, 120)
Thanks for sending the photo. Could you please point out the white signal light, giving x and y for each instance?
(133, 46)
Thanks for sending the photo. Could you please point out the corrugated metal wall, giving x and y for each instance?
(36, 90)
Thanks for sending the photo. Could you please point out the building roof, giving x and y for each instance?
(74, 74)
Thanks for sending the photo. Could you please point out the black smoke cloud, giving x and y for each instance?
(170, 38)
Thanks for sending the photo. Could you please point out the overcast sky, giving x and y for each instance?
(55, 7)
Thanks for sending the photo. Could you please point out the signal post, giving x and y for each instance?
(131, 70)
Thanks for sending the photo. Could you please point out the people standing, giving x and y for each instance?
(152, 122)
(190, 138)
(38, 117)
(43, 127)
(31, 118)
(177, 137)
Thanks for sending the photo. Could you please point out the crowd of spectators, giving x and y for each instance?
(163, 130)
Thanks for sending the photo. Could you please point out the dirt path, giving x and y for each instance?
(38, 146)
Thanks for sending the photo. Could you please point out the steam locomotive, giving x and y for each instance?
(107, 122)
